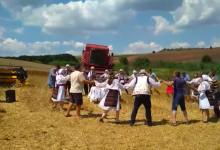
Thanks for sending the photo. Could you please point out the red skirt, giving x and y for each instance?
(169, 90)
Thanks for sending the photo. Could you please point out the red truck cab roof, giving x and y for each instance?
(97, 46)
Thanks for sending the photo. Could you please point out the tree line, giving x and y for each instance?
(61, 59)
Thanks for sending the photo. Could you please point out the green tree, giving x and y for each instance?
(123, 60)
(139, 62)
(206, 59)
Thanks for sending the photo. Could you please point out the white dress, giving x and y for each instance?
(114, 86)
(203, 100)
(60, 79)
(96, 94)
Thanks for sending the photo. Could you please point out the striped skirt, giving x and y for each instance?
(111, 98)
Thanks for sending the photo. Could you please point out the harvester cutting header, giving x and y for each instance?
(13, 75)
(98, 56)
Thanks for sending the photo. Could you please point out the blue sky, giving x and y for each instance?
(126, 26)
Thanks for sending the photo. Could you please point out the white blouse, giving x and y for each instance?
(203, 87)
(60, 79)
(114, 86)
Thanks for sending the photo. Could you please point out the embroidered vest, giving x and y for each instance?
(142, 86)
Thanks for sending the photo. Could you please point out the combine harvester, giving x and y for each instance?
(15, 75)
(98, 56)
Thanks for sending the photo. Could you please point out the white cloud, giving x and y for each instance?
(110, 47)
(72, 52)
(82, 18)
(68, 43)
(192, 14)
(19, 30)
(162, 26)
(215, 42)
(201, 44)
(141, 48)
(79, 45)
(13, 47)
(179, 45)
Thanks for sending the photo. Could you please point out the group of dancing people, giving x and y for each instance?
(206, 88)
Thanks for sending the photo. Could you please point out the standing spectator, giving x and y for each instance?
(122, 78)
(52, 79)
(142, 95)
(92, 76)
(153, 76)
(68, 72)
(214, 91)
(85, 74)
(77, 79)
(186, 90)
(178, 97)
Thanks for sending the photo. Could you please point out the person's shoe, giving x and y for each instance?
(131, 124)
(101, 120)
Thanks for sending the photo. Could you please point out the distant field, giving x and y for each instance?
(194, 55)
(27, 65)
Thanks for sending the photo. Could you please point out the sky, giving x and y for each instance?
(39, 27)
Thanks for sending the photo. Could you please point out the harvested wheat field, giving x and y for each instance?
(177, 56)
(32, 124)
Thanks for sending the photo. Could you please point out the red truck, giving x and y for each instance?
(97, 56)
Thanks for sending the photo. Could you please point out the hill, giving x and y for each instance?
(194, 55)
(27, 65)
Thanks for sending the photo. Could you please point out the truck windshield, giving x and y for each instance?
(97, 57)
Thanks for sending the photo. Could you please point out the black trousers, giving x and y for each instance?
(86, 89)
(216, 108)
(68, 84)
(139, 100)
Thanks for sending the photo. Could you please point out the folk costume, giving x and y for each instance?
(60, 89)
(111, 101)
(142, 95)
(122, 78)
(68, 72)
(92, 76)
(203, 87)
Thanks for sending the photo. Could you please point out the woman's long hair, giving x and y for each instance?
(111, 78)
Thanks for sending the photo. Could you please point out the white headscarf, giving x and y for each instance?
(61, 71)
(134, 71)
(206, 78)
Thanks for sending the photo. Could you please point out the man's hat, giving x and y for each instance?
(143, 71)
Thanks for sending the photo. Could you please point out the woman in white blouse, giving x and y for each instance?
(204, 104)
(111, 101)
(60, 90)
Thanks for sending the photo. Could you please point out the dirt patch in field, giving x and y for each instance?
(177, 56)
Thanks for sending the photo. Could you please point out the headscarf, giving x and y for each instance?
(61, 71)
(206, 78)
(134, 71)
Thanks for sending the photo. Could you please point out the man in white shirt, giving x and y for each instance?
(185, 89)
(77, 80)
(134, 75)
(92, 76)
(122, 78)
(142, 95)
